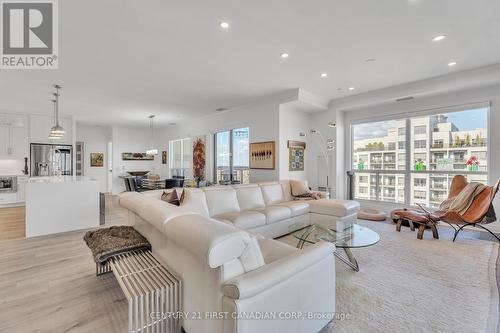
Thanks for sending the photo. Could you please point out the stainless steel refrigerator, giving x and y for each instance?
(48, 160)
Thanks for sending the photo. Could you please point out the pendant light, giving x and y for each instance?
(57, 130)
(54, 136)
(152, 151)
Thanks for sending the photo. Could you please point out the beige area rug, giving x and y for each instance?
(409, 285)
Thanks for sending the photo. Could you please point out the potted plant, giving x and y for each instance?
(473, 163)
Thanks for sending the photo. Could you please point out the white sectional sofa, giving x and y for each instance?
(220, 242)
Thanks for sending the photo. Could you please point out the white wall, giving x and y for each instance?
(262, 118)
(127, 139)
(95, 140)
(292, 121)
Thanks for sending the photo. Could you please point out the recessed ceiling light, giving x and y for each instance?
(324, 74)
(351, 88)
(224, 25)
(439, 38)
(284, 55)
(452, 63)
(370, 60)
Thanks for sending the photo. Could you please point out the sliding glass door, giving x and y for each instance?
(231, 156)
(412, 160)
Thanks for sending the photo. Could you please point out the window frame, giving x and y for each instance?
(171, 156)
(231, 155)
(407, 116)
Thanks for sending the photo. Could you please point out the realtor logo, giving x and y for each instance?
(29, 34)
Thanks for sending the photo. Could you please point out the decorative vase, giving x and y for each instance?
(26, 171)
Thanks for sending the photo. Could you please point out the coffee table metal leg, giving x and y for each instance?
(350, 260)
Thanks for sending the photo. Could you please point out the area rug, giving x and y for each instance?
(410, 285)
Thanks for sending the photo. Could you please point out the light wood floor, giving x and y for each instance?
(48, 284)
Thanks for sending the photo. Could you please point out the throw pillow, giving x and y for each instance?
(299, 187)
(171, 198)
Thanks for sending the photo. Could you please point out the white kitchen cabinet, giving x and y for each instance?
(40, 129)
(19, 142)
(14, 143)
(21, 188)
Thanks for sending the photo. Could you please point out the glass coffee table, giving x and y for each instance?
(355, 236)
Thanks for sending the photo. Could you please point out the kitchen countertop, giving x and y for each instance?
(62, 179)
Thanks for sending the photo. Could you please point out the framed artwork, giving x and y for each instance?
(96, 159)
(263, 155)
(292, 143)
(164, 157)
(199, 157)
(296, 159)
(137, 157)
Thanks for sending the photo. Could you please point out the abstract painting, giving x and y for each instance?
(96, 159)
(199, 157)
(262, 155)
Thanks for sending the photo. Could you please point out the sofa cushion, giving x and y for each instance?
(299, 187)
(333, 207)
(249, 197)
(243, 220)
(272, 193)
(221, 200)
(195, 201)
(275, 213)
(154, 193)
(297, 207)
(273, 250)
(287, 190)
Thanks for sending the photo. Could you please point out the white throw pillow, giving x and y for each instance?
(252, 256)
(299, 187)
(195, 201)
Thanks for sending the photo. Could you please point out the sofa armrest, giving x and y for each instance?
(215, 242)
(259, 280)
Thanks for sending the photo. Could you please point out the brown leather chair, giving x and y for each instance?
(476, 214)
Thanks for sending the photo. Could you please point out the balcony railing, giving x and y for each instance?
(458, 146)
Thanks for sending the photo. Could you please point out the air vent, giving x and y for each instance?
(403, 99)
(220, 109)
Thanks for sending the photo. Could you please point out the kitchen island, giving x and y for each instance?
(60, 204)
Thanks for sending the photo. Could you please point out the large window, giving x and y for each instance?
(180, 157)
(426, 152)
(232, 156)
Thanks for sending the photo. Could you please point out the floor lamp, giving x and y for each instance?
(325, 146)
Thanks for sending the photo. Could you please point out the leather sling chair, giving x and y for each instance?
(475, 215)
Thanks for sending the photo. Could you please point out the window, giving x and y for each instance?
(363, 179)
(420, 194)
(231, 156)
(180, 156)
(420, 143)
(443, 145)
(422, 129)
(421, 182)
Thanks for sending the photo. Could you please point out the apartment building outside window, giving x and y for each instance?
(442, 145)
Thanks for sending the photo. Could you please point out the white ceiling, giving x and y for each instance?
(123, 60)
